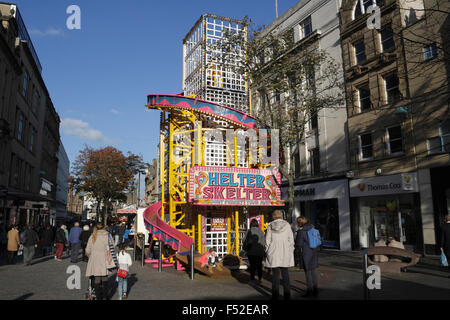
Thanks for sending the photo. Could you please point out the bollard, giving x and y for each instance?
(160, 257)
(143, 250)
(366, 290)
(192, 261)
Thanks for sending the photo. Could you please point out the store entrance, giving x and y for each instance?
(324, 215)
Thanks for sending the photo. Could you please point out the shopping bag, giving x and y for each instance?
(444, 260)
(20, 252)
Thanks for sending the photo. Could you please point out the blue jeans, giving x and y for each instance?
(122, 286)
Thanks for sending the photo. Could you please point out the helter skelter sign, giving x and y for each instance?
(231, 186)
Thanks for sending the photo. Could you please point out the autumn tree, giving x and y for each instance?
(290, 81)
(106, 173)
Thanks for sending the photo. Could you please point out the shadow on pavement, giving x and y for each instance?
(24, 297)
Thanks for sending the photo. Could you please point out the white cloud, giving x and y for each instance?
(114, 111)
(81, 129)
(48, 32)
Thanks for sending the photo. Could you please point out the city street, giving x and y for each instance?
(340, 278)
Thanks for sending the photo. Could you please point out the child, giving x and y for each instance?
(213, 259)
(124, 260)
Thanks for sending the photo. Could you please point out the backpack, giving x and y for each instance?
(314, 238)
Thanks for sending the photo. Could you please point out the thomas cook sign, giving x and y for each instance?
(399, 183)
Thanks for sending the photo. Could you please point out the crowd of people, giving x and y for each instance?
(94, 240)
(277, 246)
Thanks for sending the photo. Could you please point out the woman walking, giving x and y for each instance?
(254, 246)
(124, 259)
(100, 260)
(280, 253)
(310, 256)
(13, 244)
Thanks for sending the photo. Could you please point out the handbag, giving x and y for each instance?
(444, 259)
(122, 273)
(20, 251)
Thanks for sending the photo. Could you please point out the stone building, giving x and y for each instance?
(397, 104)
(28, 157)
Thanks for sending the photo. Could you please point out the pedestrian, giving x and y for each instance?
(100, 260)
(254, 243)
(121, 231)
(445, 239)
(124, 260)
(66, 234)
(30, 242)
(310, 256)
(126, 236)
(74, 241)
(115, 234)
(47, 240)
(13, 244)
(60, 242)
(84, 238)
(279, 249)
(3, 241)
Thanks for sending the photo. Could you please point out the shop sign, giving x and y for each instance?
(394, 184)
(218, 224)
(126, 211)
(231, 186)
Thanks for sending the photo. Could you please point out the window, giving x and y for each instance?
(391, 87)
(20, 127)
(442, 142)
(314, 122)
(364, 98)
(365, 146)
(429, 52)
(387, 38)
(36, 99)
(306, 27)
(362, 6)
(25, 84)
(360, 52)
(314, 157)
(32, 138)
(394, 140)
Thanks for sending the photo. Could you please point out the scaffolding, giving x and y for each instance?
(205, 78)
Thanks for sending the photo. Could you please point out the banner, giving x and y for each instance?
(218, 224)
(231, 186)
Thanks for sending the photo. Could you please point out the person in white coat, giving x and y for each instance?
(124, 260)
(279, 253)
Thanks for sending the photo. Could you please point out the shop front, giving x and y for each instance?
(326, 205)
(386, 206)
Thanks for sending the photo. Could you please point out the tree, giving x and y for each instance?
(292, 80)
(106, 174)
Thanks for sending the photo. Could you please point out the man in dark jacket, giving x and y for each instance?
(309, 255)
(445, 239)
(84, 238)
(30, 243)
(60, 240)
(47, 240)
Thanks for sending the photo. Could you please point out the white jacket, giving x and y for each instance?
(279, 245)
(124, 260)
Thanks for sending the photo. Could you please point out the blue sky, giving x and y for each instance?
(99, 77)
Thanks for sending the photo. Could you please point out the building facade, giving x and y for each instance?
(321, 162)
(62, 183)
(397, 104)
(26, 112)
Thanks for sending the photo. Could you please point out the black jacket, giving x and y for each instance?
(84, 237)
(445, 237)
(310, 256)
(60, 236)
(47, 237)
(31, 238)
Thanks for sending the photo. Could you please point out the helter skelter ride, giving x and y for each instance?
(213, 180)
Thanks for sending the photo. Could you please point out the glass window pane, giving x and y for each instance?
(434, 145)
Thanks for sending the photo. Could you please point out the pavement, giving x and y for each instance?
(339, 276)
